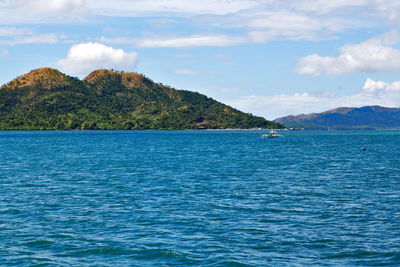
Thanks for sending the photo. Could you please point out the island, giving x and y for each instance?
(46, 99)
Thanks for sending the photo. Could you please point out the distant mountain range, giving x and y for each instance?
(368, 117)
(48, 99)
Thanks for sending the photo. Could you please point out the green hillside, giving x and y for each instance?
(49, 100)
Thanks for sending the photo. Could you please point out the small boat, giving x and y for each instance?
(272, 134)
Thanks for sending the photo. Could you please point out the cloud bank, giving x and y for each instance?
(86, 57)
(252, 21)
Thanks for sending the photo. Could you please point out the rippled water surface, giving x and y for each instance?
(223, 198)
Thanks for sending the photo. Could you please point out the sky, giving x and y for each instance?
(271, 58)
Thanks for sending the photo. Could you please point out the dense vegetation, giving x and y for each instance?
(48, 99)
(368, 117)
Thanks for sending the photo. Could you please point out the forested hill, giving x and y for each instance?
(48, 99)
(368, 117)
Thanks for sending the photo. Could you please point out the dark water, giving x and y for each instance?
(199, 198)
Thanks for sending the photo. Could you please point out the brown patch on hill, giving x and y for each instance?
(341, 110)
(129, 80)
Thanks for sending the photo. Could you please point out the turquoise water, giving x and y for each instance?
(223, 198)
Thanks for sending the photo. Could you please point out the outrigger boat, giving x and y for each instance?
(272, 134)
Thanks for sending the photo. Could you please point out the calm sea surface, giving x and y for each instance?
(220, 198)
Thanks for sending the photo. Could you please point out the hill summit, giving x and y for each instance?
(46, 78)
(45, 98)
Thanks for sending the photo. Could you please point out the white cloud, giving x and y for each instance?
(186, 72)
(373, 55)
(284, 21)
(86, 57)
(372, 93)
(14, 31)
(15, 36)
(190, 41)
(388, 9)
(50, 6)
(380, 89)
(265, 26)
(177, 42)
(49, 38)
(288, 104)
(25, 12)
(142, 8)
(323, 6)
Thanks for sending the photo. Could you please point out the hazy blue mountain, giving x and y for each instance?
(368, 117)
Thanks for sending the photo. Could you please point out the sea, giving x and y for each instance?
(199, 198)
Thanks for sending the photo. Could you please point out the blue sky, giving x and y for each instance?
(267, 57)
